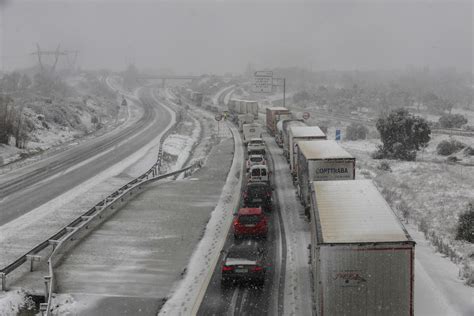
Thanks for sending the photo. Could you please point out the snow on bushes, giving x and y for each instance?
(465, 230)
(452, 120)
(356, 131)
(448, 147)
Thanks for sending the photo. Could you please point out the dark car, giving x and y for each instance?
(250, 222)
(244, 262)
(258, 194)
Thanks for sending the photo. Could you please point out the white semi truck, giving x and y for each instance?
(321, 160)
(362, 258)
(285, 134)
(298, 133)
(250, 131)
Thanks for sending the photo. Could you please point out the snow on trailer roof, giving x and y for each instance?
(354, 211)
(326, 149)
(307, 131)
(277, 108)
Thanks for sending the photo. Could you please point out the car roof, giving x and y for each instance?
(259, 167)
(256, 155)
(250, 246)
(250, 211)
(256, 138)
(257, 184)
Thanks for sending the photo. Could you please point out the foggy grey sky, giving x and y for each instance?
(219, 36)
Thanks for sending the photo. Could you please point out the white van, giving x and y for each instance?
(259, 173)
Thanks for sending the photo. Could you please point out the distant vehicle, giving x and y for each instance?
(255, 160)
(256, 146)
(362, 258)
(237, 107)
(285, 134)
(259, 173)
(253, 130)
(244, 262)
(250, 222)
(273, 115)
(279, 131)
(197, 98)
(244, 119)
(298, 133)
(258, 194)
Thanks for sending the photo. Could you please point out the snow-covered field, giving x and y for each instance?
(430, 194)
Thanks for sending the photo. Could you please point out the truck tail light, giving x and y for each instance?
(257, 269)
(227, 268)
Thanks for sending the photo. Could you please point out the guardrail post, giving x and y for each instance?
(43, 308)
(47, 279)
(54, 243)
(3, 276)
(32, 259)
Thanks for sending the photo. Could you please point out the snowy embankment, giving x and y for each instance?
(46, 219)
(430, 195)
(215, 98)
(188, 295)
(59, 123)
(12, 302)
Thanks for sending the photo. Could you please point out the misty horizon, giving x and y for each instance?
(225, 36)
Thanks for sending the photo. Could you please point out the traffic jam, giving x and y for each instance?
(356, 233)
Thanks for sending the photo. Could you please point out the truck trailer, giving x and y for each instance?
(244, 119)
(298, 133)
(362, 258)
(285, 135)
(250, 131)
(321, 160)
(275, 114)
(237, 107)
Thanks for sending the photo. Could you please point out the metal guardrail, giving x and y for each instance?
(71, 234)
(88, 223)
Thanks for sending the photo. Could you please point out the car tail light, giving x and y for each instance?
(257, 268)
(237, 224)
(227, 268)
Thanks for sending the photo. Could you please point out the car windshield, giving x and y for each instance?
(249, 219)
(255, 159)
(256, 172)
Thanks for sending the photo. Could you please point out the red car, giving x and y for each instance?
(250, 221)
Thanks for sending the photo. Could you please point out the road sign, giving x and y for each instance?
(263, 73)
(338, 134)
(218, 117)
(306, 115)
(262, 81)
